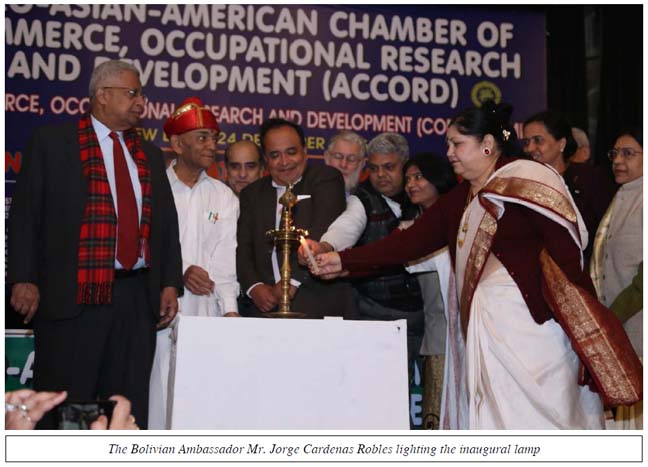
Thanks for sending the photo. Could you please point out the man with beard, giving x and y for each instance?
(346, 152)
(94, 256)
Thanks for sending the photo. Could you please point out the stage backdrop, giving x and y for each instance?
(364, 68)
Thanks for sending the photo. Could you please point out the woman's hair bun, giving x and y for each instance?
(502, 111)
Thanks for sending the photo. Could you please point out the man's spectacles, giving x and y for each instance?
(132, 93)
(350, 158)
(626, 153)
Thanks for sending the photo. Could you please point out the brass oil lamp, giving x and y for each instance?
(284, 238)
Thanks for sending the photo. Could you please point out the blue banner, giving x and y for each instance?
(369, 69)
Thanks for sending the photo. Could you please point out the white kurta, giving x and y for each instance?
(207, 217)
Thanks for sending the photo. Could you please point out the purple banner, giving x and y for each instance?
(369, 69)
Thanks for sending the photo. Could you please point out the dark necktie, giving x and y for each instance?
(127, 219)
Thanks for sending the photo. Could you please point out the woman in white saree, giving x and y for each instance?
(530, 344)
(519, 374)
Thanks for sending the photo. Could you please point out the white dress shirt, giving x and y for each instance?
(207, 217)
(106, 145)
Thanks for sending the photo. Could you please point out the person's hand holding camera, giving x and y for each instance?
(121, 419)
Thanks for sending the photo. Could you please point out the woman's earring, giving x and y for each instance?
(486, 152)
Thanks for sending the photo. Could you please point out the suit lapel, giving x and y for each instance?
(72, 151)
(268, 205)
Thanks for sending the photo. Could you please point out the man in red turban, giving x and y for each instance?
(207, 214)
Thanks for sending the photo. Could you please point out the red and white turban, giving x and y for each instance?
(190, 115)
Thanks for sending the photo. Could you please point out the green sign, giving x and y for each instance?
(19, 359)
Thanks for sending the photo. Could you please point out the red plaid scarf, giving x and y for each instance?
(98, 236)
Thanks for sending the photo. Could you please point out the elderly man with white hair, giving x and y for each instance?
(346, 152)
(387, 154)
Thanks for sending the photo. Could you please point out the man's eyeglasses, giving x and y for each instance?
(132, 93)
(350, 158)
(626, 153)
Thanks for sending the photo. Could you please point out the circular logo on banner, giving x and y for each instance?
(483, 91)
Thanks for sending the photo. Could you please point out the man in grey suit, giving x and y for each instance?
(94, 252)
(320, 190)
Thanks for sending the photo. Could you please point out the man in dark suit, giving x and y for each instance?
(94, 254)
(320, 191)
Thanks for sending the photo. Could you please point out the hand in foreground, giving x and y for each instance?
(329, 266)
(121, 419)
(24, 407)
(197, 281)
(231, 314)
(315, 248)
(263, 297)
(168, 306)
(276, 290)
(24, 299)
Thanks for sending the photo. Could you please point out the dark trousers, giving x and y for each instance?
(105, 350)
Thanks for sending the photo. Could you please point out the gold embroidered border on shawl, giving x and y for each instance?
(596, 336)
(479, 252)
(601, 343)
(514, 187)
(533, 192)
